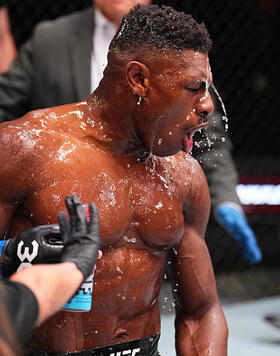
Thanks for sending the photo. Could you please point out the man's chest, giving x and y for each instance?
(140, 204)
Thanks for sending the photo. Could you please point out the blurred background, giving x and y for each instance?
(246, 68)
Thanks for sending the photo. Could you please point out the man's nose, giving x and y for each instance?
(205, 106)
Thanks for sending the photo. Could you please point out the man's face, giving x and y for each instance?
(114, 10)
(178, 101)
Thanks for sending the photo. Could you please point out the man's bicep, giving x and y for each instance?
(192, 275)
(9, 176)
(6, 213)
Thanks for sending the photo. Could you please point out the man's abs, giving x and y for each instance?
(124, 306)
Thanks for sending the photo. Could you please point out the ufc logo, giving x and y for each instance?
(126, 352)
(26, 255)
(87, 285)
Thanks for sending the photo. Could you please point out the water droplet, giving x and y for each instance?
(170, 133)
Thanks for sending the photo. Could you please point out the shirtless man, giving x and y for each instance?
(122, 148)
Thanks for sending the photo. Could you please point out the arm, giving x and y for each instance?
(200, 324)
(52, 285)
(12, 164)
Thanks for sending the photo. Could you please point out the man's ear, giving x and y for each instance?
(137, 77)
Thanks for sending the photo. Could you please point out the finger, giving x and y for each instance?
(79, 214)
(64, 227)
(93, 224)
(71, 211)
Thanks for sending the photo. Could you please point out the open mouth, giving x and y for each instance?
(187, 143)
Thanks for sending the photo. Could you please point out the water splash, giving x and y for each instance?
(224, 117)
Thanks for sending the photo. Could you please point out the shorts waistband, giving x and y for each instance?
(147, 346)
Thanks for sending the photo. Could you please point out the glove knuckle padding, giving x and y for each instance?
(20, 249)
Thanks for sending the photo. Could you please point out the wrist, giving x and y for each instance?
(72, 269)
(227, 204)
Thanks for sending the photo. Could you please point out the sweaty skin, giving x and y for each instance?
(97, 149)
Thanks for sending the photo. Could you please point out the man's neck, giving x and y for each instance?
(112, 125)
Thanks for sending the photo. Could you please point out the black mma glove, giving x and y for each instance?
(80, 235)
(40, 244)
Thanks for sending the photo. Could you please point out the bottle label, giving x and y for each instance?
(81, 301)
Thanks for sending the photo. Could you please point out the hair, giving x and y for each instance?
(160, 27)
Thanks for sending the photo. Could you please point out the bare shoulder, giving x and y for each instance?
(21, 137)
(38, 127)
(25, 145)
(186, 170)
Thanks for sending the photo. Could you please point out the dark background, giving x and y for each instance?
(245, 63)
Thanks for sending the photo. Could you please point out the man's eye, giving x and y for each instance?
(193, 90)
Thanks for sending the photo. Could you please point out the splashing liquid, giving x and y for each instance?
(224, 117)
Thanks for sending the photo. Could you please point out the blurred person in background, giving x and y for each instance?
(7, 44)
(63, 62)
(32, 295)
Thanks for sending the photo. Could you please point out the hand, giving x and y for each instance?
(236, 224)
(40, 244)
(80, 235)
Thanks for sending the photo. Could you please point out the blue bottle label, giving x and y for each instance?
(81, 301)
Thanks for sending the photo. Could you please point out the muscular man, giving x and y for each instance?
(77, 47)
(122, 148)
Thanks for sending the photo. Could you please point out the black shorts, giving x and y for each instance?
(141, 347)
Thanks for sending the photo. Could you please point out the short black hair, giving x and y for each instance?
(161, 27)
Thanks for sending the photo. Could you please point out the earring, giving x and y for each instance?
(139, 100)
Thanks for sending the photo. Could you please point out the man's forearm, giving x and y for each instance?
(202, 335)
